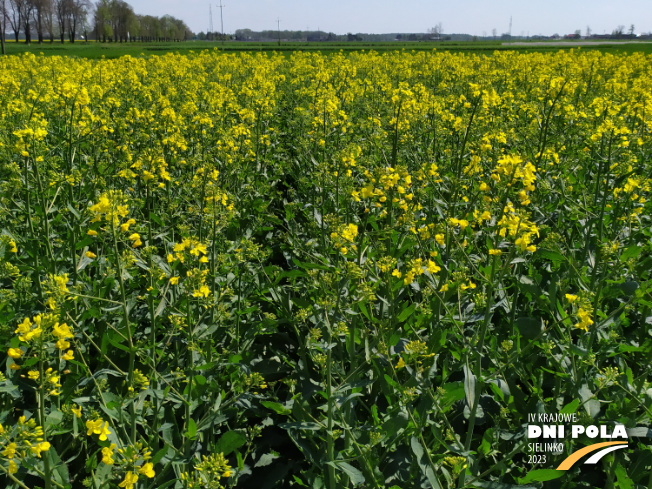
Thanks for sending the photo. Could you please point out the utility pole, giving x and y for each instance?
(510, 26)
(278, 27)
(3, 26)
(222, 21)
(210, 22)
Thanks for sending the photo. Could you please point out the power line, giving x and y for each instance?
(210, 19)
(222, 20)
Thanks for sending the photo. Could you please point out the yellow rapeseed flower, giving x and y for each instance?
(98, 427)
(15, 353)
(129, 481)
(147, 470)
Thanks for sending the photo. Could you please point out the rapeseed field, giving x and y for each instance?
(361, 270)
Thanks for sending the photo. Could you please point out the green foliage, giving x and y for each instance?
(360, 270)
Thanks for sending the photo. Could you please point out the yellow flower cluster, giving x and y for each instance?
(112, 205)
(583, 311)
(516, 225)
(208, 473)
(98, 427)
(415, 268)
(345, 236)
(44, 328)
(21, 441)
(189, 247)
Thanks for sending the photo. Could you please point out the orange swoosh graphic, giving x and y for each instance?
(575, 456)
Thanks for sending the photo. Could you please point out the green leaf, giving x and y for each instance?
(406, 313)
(469, 386)
(453, 392)
(305, 425)
(630, 376)
(192, 429)
(160, 454)
(83, 262)
(160, 308)
(591, 405)
(391, 382)
(355, 476)
(395, 424)
(265, 460)
(230, 441)
(53, 419)
(529, 327)
(630, 252)
(363, 309)
(571, 407)
(73, 211)
(299, 481)
(500, 485)
(290, 274)
(487, 442)
(277, 407)
(156, 219)
(59, 469)
(554, 256)
(541, 475)
(629, 287)
(310, 266)
(423, 462)
(623, 481)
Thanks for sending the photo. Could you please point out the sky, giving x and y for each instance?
(476, 17)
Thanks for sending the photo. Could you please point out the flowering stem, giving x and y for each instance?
(213, 260)
(332, 483)
(41, 413)
(46, 221)
(544, 131)
(28, 206)
(189, 380)
(13, 478)
(477, 368)
(132, 349)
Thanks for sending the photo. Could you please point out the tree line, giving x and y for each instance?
(106, 20)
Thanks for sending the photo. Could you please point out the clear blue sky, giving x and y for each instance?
(476, 17)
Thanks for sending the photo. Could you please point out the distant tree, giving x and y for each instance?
(436, 31)
(631, 30)
(48, 20)
(39, 13)
(242, 34)
(122, 17)
(61, 8)
(15, 16)
(77, 13)
(27, 7)
(168, 27)
(494, 32)
(588, 31)
(150, 27)
(618, 31)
